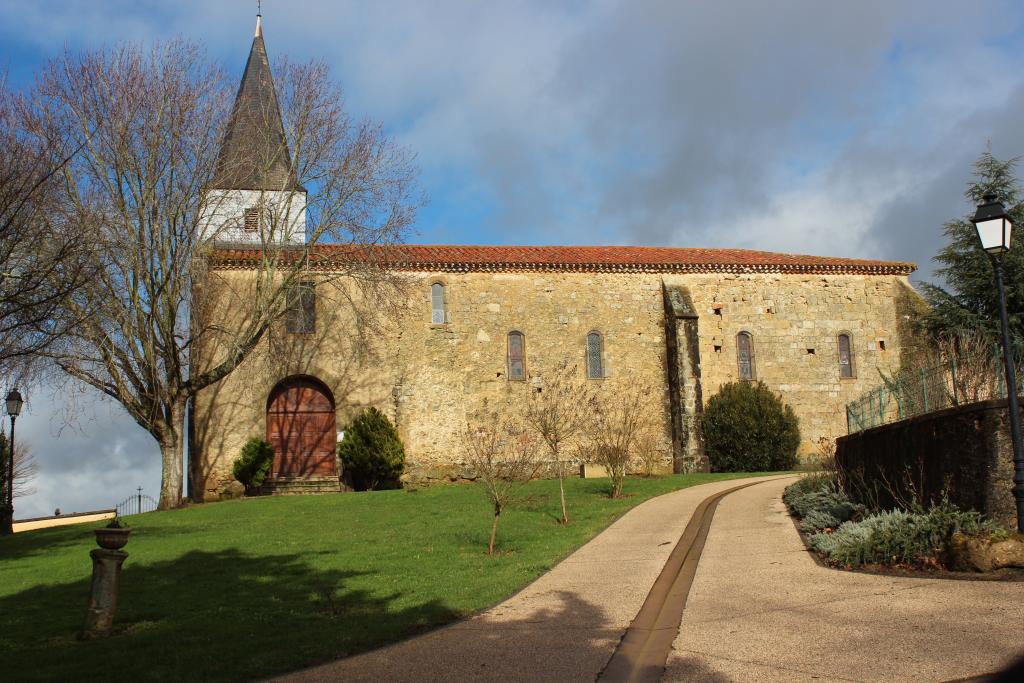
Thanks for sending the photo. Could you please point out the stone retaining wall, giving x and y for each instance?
(964, 452)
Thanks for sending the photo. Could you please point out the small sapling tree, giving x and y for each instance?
(504, 457)
(558, 411)
(620, 427)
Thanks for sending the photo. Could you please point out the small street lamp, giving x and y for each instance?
(14, 403)
(994, 226)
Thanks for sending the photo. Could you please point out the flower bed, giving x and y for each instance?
(845, 534)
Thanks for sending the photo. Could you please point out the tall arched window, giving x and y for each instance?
(516, 355)
(595, 353)
(301, 307)
(745, 355)
(437, 303)
(845, 356)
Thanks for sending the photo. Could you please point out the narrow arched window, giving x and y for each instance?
(301, 307)
(745, 355)
(437, 303)
(595, 352)
(845, 356)
(516, 355)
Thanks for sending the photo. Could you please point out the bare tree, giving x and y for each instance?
(25, 469)
(648, 457)
(622, 423)
(503, 456)
(974, 368)
(40, 259)
(150, 125)
(559, 411)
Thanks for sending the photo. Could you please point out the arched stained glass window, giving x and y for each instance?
(516, 355)
(845, 356)
(437, 303)
(745, 355)
(595, 353)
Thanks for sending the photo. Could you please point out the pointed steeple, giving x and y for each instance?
(254, 154)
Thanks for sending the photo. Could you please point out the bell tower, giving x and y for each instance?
(254, 197)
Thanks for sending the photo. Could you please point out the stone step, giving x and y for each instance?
(294, 487)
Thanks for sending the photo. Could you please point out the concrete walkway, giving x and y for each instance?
(563, 627)
(761, 609)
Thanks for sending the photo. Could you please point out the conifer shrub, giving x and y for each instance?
(372, 455)
(747, 428)
(253, 465)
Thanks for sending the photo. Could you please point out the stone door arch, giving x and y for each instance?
(301, 428)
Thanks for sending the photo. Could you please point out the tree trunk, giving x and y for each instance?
(561, 488)
(172, 457)
(494, 532)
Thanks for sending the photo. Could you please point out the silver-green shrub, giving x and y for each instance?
(817, 520)
(898, 536)
(822, 499)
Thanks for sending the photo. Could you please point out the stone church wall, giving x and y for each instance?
(426, 377)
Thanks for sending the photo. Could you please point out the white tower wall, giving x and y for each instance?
(283, 216)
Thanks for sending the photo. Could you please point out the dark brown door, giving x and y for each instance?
(301, 428)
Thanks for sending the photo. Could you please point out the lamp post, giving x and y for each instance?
(14, 403)
(994, 226)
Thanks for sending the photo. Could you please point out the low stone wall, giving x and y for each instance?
(62, 520)
(964, 452)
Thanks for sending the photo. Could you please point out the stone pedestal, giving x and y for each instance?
(106, 582)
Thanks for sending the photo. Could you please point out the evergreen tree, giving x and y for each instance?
(747, 428)
(3, 468)
(969, 299)
(371, 453)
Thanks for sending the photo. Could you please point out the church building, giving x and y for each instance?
(489, 322)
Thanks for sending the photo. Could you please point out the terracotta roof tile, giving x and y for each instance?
(449, 257)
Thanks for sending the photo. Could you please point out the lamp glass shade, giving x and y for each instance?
(14, 402)
(994, 234)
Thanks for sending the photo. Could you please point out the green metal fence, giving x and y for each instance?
(913, 392)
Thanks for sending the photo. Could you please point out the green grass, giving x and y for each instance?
(243, 589)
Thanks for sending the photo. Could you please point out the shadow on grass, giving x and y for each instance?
(562, 638)
(212, 616)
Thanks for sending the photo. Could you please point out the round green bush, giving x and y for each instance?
(371, 453)
(747, 428)
(253, 465)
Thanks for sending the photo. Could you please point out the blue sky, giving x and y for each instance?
(843, 129)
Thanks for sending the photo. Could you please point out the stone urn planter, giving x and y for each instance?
(112, 538)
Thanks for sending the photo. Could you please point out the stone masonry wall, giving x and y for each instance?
(963, 453)
(427, 377)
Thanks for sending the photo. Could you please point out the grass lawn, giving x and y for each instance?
(239, 590)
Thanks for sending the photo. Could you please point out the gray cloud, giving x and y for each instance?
(90, 454)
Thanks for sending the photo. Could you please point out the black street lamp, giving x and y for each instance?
(14, 403)
(994, 226)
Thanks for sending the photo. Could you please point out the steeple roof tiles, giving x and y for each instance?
(254, 154)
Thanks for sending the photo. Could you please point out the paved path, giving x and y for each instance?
(563, 627)
(761, 609)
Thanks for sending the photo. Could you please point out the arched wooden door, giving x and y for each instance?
(301, 428)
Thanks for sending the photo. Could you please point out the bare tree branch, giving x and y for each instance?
(164, 322)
